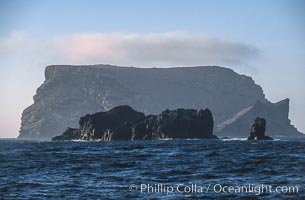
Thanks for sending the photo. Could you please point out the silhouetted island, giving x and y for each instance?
(124, 123)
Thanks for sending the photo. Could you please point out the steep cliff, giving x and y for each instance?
(275, 113)
(70, 92)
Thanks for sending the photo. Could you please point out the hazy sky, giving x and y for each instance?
(264, 39)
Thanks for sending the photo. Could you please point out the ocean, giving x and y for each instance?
(164, 169)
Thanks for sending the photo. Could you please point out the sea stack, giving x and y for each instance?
(174, 124)
(96, 126)
(258, 128)
(124, 123)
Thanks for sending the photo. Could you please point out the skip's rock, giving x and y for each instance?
(124, 123)
(176, 124)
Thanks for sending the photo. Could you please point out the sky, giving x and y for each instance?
(264, 39)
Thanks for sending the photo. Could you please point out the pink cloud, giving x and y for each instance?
(159, 49)
(89, 47)
(152, 49)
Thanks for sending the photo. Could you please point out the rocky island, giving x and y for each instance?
(70, 92)
(124, 123)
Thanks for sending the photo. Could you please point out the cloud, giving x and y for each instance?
(160, 49)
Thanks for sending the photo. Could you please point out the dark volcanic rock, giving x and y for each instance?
(123, 123)
(69, 134)
(95, 126)
(180, 123)
(257, 131)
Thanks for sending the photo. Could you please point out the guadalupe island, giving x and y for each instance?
(70, 92)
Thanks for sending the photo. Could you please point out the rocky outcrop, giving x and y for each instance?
(275, 113)
(124, 123)
(257, 130)
(70, 92)
(177, 124)
(95, 126)
(69, 134)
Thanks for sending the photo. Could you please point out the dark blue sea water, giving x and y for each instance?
(172, 169)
